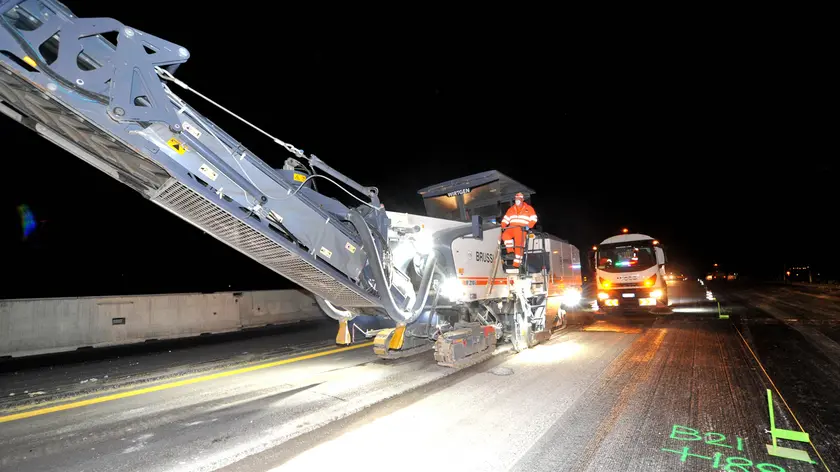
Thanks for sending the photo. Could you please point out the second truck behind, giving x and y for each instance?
(630, 273)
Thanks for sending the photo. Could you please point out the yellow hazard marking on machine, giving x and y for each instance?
(30, 61)
(343, 336)
(397, 339)
(180, 383)
(299, 177)
(380, 340)
(176, 145)
(350, 248)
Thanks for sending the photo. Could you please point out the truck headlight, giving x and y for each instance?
(452, 289)
(571, 297)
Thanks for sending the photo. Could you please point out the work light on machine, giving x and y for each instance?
(571, 297)
(452, 289)
(423, 242)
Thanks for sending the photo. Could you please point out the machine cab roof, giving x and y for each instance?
(487, 194)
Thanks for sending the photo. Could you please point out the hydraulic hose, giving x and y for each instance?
(333, 311)
(386, 297)
(425, 286)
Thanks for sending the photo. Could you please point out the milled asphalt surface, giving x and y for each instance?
(605, 395)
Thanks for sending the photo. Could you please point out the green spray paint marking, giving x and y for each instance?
(684, 433)
(686, 453)
(733, 463)
(718, 461)
(790, 435)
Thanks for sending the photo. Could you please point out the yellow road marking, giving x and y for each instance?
(777, 392)
(180, 383)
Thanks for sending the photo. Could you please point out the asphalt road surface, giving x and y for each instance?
(643, 392)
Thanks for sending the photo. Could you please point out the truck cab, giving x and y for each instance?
(630, 273)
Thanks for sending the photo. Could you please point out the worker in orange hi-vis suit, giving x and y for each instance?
(519, 215)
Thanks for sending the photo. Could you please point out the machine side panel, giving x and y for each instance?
(565, 270)
(474, 262)
(577, 275)
(426, 223)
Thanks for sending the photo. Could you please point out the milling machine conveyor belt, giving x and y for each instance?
(199, 211)
(119, 118)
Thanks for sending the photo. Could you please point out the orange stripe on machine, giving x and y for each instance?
(482, 281)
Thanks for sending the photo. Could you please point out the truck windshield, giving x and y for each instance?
(625, 257)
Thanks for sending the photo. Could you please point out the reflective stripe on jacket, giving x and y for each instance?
(520, 216)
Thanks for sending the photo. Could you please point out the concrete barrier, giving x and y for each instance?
(40, 326)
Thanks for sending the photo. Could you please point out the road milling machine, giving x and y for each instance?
(106, 92)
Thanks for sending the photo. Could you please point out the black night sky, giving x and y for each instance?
(714, 143)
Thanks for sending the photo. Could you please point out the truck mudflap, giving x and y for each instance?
(467, 345)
